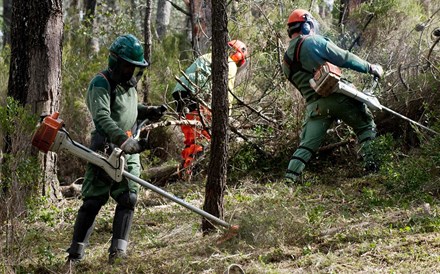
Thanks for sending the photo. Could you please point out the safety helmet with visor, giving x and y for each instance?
(126, 58)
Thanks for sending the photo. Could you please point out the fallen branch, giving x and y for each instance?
(335, 145)
(177, 7)
(172, 123)
(253, 109)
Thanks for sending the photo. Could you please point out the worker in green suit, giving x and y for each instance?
(197, 83)
(307, 51)
(113, 104)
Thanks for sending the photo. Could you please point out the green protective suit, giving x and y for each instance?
(199, 72)
(322, 111)
(113, 115)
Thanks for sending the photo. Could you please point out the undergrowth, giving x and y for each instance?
(383, 222)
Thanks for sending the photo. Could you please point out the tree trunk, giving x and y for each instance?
(7, 11)
(147, 31)
(89, 22)
(147, 49)
(217, 170)
(72, 13)
(201, 22)
(162, 18)
(35, 70)
(346, 8)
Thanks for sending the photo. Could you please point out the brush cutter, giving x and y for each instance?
(372, 102)
(328, 78)
(52, 136)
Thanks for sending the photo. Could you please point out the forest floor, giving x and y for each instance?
(330, 222)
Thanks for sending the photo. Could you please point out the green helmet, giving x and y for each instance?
(130, 49)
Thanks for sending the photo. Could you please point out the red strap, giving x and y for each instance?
(103, 75)
(299, 47)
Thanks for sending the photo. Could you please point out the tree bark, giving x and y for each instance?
(201, 22)
(217, 170)
(162, 18)
(147, 31)
(35, 69)
(147, 49)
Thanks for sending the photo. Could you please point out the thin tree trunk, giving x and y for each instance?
(147, 49)
(201, 21)
(346, 8)
(35, 70)
(72, 13)
(217, 170)
(162, 17)
(89, 22)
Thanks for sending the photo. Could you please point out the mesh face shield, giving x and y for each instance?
(138, 72)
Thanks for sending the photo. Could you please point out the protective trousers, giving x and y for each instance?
(194, 137)
(320, 114)
(96, 190)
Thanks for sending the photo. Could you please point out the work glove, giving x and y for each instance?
(376, 70)
(131, 146)
(154, 113)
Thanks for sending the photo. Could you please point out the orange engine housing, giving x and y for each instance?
(47, 132)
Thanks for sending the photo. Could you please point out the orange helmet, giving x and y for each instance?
(239, 56)
(298, 15)
(300, 21)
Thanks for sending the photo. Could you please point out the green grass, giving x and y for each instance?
(354, 225)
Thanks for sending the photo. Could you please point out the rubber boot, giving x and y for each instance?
(83, 228)
(121, 229)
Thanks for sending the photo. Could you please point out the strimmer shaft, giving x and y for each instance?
(409, 120)
(51, 136)
(175, 199)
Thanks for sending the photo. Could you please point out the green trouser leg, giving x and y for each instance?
(313, 133)
(361, 120)
(96, 189)
(319, 116)
(370, 162)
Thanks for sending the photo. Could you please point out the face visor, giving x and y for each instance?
(123, 71)
(138, 72)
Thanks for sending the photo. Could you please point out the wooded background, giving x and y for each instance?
(50, 49)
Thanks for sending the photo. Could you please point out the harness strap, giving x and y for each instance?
(295, 64)
(111, 85)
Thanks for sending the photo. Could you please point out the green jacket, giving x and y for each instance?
(316, 50)
(199, 72)
(114, 115)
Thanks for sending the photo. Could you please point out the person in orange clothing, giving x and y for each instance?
(193, 96)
